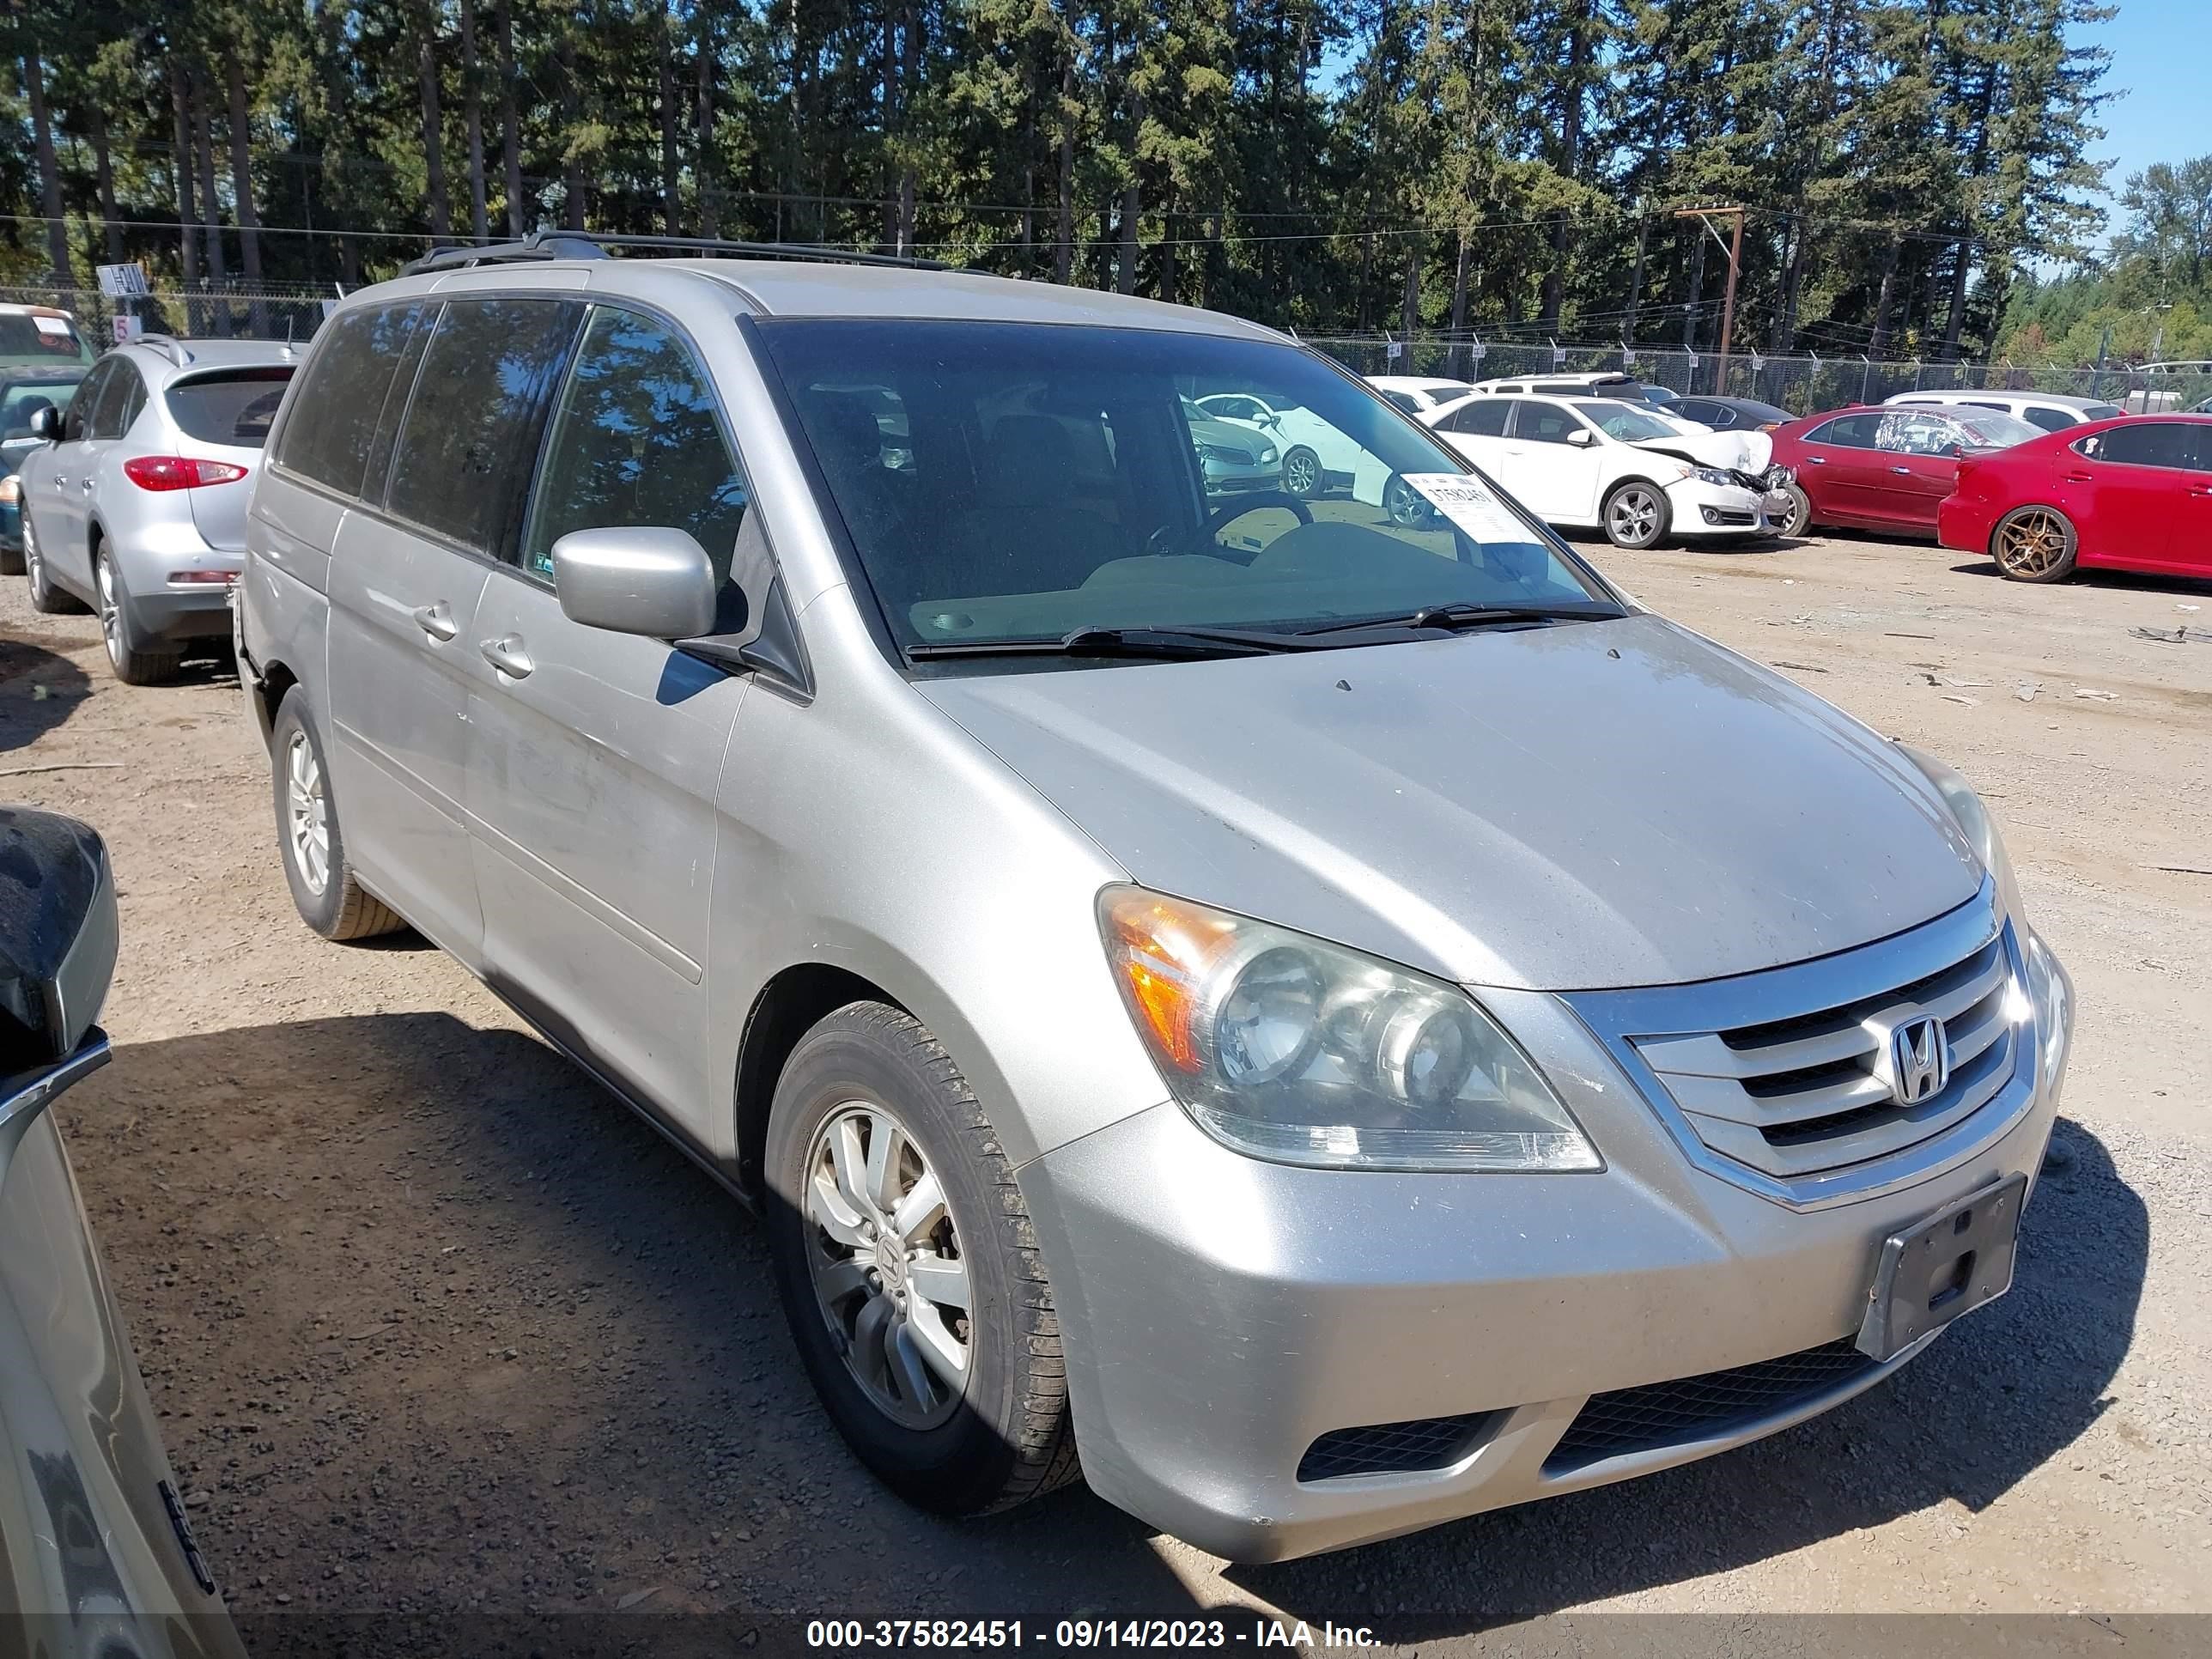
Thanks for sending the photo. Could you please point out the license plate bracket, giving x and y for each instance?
(1949, 1264)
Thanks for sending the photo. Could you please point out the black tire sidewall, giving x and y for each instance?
(961, 1466)
(320, 911)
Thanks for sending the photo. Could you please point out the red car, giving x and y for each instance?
(2133, 494)
(1885, 468)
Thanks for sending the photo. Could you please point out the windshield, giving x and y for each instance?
(1626, 421)
(1053, 478)
(19, 398)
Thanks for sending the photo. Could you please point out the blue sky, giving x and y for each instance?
(2162, 53)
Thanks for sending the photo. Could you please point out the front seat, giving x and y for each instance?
(1022, 537)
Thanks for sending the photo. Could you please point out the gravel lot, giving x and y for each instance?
(436, 1326)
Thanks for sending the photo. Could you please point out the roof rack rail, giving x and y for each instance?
(171, 347)
(575, 245)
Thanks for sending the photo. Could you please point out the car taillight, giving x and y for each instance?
(179, 472)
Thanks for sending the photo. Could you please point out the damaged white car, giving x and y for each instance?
(1603, 463)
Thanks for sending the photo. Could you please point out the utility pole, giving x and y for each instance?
(1704, 216)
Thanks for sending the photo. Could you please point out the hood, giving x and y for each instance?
(1744, 452)
(1588, 806)
(1241, 439)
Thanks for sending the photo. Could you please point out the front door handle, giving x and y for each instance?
(436, 620)
(1905, 470)
(1816, 460)
(2079, 477)
(507, 656)
(85, 485)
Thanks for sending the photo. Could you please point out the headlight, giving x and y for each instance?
(1288, 1047)
(1712, 475)
(11, 490)
(1974, 822)
(2051, 994)
(1268, 457)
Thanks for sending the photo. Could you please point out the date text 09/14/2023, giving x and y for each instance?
(1085, 1633)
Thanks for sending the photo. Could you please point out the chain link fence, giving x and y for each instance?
(232, 312)
(1801, 384)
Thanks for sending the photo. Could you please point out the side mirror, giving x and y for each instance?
(46, 423)
(655, 581)
(1582, 437)
(58, 940)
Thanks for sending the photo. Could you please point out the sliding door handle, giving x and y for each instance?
(436, 620)
(507, 656)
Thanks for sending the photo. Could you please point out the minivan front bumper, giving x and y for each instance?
(1227, 1320)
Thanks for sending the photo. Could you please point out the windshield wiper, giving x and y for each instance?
(1164, 644)
(1457, 616)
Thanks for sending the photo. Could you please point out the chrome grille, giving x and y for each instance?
(1809, 1093)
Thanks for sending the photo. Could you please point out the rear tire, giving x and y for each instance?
(133, 665)
(324, 891)
(47, 598)
(2035, 544)
(1636, 514)
(960, 1410)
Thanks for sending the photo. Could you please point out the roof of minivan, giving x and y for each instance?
(792, 288)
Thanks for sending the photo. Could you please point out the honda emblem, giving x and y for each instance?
(1919, 1059)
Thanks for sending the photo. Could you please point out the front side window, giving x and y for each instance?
(1484, 417)
(1847, 431)
(1056, 483)
(1544, 423)
(472, 426)
(235, 407)
(333, 420)
(2153, 443)
(77, 422)
(636, 441)
(121, 397)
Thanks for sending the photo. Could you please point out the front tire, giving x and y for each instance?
(2035, 544)
(1801, 512)
(891, 1204)
(324, 891)
(1636, 514)
(133, 665)
(47, 597)
(1302, 474)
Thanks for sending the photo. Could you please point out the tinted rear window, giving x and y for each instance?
(479, 404)
(2102, 411)
(2153, 443)
(229, 408)
(333, 420)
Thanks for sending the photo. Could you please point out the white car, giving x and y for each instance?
(2053, 412)
(1604, 463)
(1317, 456)
(1416, 392)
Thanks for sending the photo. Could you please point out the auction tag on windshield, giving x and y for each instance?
(1471, 505)
(49, 324)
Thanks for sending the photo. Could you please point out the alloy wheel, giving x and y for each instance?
(1301, 473)
(888, 1269)
(307, 813)
(1632, 517)
(111, 613)
(2031, 544)
(1404, 505)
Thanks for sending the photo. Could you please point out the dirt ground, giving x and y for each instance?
(435, 1328)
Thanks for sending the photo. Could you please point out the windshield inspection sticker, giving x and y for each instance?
(1471, 505)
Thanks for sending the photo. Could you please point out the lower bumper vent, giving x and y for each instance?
(1426, 1443)
(1660, 1414)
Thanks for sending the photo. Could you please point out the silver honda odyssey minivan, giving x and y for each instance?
(1342, 1019)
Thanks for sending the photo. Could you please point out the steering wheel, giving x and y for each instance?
(1221, 518)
